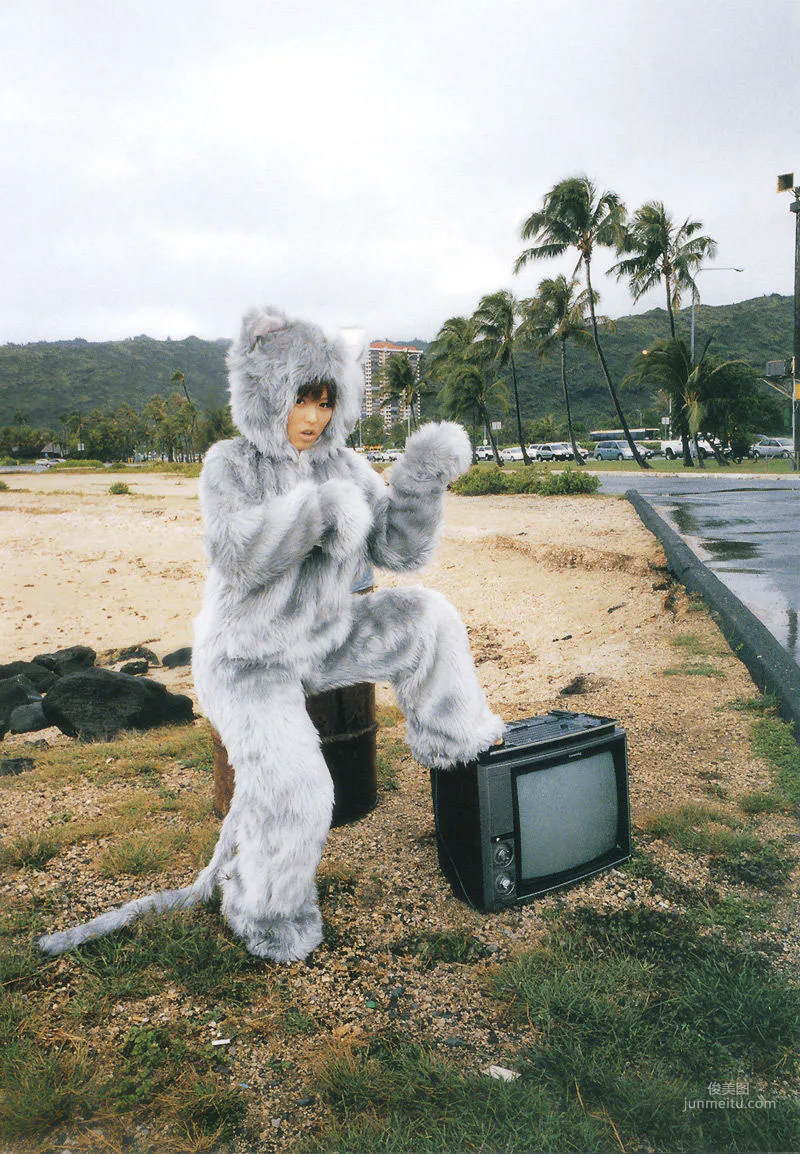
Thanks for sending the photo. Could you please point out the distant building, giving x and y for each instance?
(377, 359)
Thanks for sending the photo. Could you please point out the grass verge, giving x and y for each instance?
(628, 1020)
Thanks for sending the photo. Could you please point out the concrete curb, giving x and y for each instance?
(768, 663)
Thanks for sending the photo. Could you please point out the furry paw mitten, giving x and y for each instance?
(346, 517)
(437, 454)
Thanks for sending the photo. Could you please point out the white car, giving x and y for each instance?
(554, 451)
(772, 447)
(512, 454)
(484, 453)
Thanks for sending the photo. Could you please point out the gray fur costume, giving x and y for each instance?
(287, 533)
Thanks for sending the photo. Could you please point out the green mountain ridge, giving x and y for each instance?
(49, 380)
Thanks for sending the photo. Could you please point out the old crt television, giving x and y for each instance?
(547, 808)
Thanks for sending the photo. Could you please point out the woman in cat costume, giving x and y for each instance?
(292, 517)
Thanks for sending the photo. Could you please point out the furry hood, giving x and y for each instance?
(272, 359)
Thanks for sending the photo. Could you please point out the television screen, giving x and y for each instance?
(567, 815)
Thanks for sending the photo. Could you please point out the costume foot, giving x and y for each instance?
(286, 939)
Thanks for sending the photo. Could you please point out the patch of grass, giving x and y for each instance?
(3, 487)
(743, 858)
(396, 1096)
(736, 854)
(774, 740)
(143, 853)
(30, 849)
(739, 914)
(690, 644)
(641, 1011)
(696, 669)
(767, 704)
(390, 752)
(118, 488)
(687, 826)
(295, 1022)
(761, 801)
(441, 946)
(43, 1088)
(190, 948)
(129, 756)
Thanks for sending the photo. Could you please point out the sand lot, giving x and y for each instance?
(551, 589)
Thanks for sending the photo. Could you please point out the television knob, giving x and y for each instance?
(504, 885)
(503, 853)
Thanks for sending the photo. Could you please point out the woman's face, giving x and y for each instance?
(308, 420)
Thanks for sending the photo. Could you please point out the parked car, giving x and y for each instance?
(484, 453)
(374, 455)
(772, 447)
(46, 461)
(613, 451)
(674, 449)
(555, 451)
(512, 454)
(393, 454)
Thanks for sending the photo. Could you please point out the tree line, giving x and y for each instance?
(171, 428)
(473, 359)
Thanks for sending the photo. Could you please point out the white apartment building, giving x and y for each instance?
(376, 360)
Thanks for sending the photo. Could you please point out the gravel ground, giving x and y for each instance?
(558, 594)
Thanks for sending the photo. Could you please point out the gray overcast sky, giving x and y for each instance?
(169, 163)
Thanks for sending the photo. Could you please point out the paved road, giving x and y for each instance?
(745, 528)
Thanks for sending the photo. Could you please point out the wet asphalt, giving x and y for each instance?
(745, 529)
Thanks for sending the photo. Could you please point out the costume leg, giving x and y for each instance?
(280, 813)
(415, 639)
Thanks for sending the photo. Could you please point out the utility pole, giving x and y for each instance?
(786, 184)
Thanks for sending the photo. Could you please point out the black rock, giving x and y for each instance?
(15, 691)
(39, 677)
(10, 766)
(178, 657)
(135, 668)
(28, 718)
(65, 661)
(97, 703)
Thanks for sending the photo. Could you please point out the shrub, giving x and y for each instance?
(533, 479)
(119, 487)
(3, 487)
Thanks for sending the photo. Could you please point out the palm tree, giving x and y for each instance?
(400, 385)
(573, 215)
(662, 251)
(496, 322)
(691, 388)
(555, 315)
(458, 361)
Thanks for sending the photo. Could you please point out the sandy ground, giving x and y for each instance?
(551, 589)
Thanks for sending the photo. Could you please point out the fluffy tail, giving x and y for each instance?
(200, 890)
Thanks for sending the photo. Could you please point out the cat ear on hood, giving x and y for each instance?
(355, 341)
(261, 324)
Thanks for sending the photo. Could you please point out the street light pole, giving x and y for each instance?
(696, 295)
(786, 184)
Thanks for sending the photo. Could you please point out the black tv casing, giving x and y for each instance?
(477, 816)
